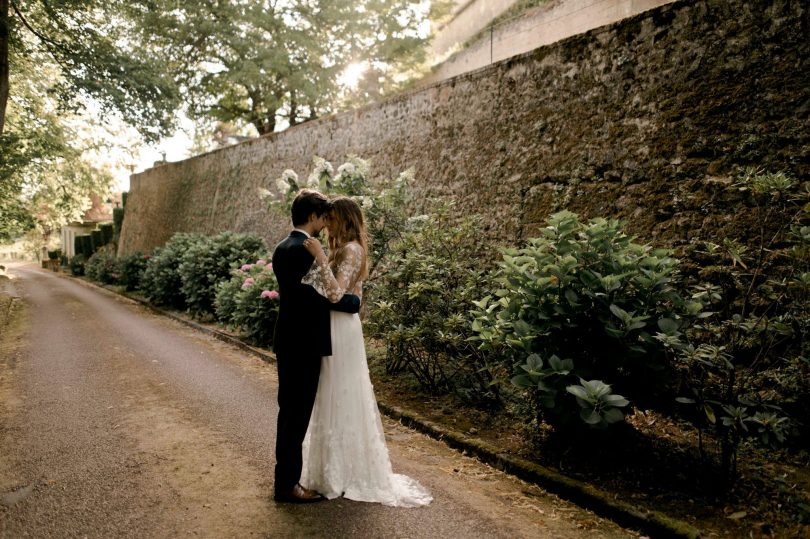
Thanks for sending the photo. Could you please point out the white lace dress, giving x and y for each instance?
(344, 449)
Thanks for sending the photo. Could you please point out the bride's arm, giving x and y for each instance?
(335, 286)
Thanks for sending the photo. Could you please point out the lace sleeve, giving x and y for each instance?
(332, 286)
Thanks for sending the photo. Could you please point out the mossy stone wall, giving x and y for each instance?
(647, 120)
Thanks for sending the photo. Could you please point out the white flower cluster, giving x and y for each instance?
(287, 181)
(366, 202)
(322, 168)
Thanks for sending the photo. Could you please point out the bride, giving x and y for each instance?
(344, 449)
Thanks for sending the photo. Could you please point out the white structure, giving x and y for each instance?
(543, 25)
(69, 233)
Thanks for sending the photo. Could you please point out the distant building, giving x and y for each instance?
(99, 212)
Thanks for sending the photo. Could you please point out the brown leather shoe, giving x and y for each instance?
(298, 494)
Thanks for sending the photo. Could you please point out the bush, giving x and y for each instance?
(77, 264)
(747, 378)
(103, 266)
(161, 283)
(130, 270)
(421, 306)
(256, 302)
(206, 263)
(586, 293)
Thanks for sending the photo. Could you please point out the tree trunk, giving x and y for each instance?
(4, 31)
(293, 109)
(263, 125)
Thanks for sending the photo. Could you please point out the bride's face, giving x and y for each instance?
(330, 222)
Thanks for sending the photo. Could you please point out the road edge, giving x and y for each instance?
(654, 523)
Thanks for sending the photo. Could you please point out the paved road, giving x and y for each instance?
(116, 422)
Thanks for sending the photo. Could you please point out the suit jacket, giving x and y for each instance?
(303, 325)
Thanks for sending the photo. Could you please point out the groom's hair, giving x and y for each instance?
(307, 202)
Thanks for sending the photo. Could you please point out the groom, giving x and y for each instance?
(302, 337)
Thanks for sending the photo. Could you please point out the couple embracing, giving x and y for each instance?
(330, 440)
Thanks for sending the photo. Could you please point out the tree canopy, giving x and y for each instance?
(231, 63)
(268, 63)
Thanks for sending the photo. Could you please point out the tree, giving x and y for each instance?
(266, 63)
(45, 179)
(93, 44)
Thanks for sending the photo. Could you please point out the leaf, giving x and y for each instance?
(685, 400)
(709, 414)
(616, 400)
(521, 380)
(591, 417)
(620, 313)
(737, 515)
(534, 362)
(578, 391)
(668, 325)
(614, 415)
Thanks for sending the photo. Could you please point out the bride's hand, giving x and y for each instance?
(315, 249)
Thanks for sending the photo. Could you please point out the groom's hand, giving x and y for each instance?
(349, 303)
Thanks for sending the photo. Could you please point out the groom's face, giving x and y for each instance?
(318, 223)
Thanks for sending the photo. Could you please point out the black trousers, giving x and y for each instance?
(297, 386)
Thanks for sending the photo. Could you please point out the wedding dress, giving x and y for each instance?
(344, 450)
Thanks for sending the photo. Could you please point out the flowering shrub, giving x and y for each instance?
(420, 307)
(585, 292)
(248, 301)
(209, 261)
(161, 283)
(384, 202)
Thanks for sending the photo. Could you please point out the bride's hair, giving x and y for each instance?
(348, 224)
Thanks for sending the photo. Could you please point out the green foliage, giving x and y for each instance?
(161, 282)
(205, 263)
(281, 61)
(93, 50)
(46, 174)
(103, 266)
(600, 407)
(589, 293)
(753, 358)
(420, 306)
(131, 268)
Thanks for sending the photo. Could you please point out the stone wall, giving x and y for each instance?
(646, 120)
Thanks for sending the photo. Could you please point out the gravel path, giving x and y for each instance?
(116, 422)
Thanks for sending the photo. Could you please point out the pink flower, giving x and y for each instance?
(272, 294)
(261, 262)
(248, 283)
(246, 267)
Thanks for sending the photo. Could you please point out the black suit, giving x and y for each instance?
(302, 336)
